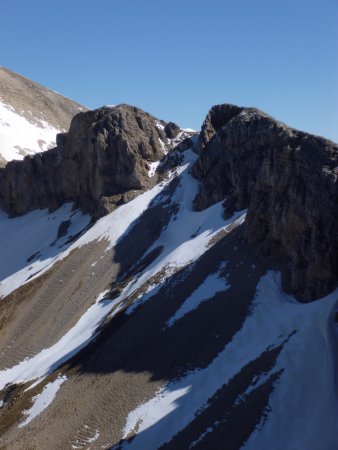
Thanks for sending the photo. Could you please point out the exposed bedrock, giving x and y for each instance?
(287, 179)
(102, 161)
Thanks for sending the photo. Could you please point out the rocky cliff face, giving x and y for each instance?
(103, 160)
(286, 179)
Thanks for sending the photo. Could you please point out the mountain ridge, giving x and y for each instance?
(164, 290)
(246, 159)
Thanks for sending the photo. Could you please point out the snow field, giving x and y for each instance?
(20, 137)
(303, 405)
(33, 234)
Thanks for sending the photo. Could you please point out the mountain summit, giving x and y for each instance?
(165, 289)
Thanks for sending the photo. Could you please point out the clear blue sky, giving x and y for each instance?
(175, 59)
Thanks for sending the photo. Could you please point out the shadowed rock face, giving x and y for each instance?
(172, 130)
(215, 120)
(102, 161)
(3, 162)
(288, 181)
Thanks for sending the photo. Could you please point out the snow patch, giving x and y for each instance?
(43, 400)
(19, 137)
(29, 243)
(159, 125)
(72, 342)
(145, 415)
(211, 285)
(163, 146)
(153, 166)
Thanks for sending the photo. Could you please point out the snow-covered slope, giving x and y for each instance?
(302, 411)
(156, 328)
(20, 137)
(30, 116)
(30, 243)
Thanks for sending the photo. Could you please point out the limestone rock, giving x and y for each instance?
(232, 154)
(105, 155)
(216, 118)
(286, 179)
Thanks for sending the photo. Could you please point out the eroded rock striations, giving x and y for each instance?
(287, 179)
(102, 161)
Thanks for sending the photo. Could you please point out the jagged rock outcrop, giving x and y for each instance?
(172, 130)
(216, 118)
(232, 145)
(102, 161)
(287, 179)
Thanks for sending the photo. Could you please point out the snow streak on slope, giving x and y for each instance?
(111, 227)
(43, 400)
(188, 234)
(303, 406)
(29, 243)
(185, 238)
(212, 284)
(72, 342)
(20, 137)
(28, 251)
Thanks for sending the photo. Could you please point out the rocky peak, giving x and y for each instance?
(286, 179)
(232, 146)
(217, 118)
(103, 160)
